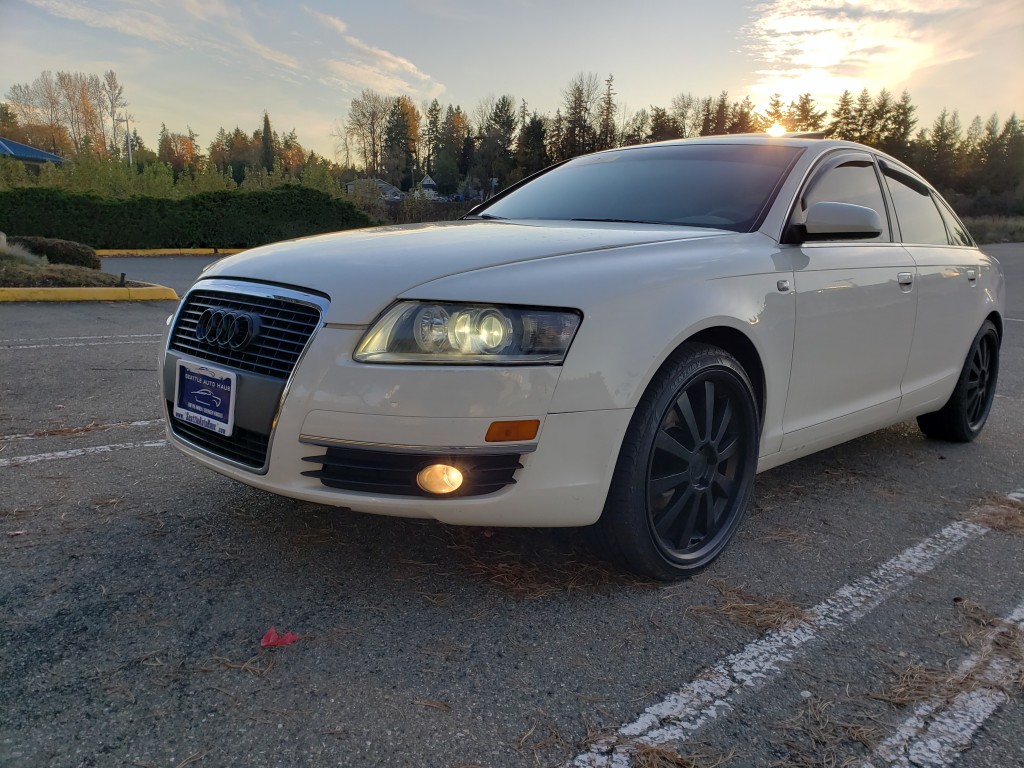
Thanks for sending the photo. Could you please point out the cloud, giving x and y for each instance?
(333, 22)
(385, 60)
(234, 25)
(355, 76)
(374, 68)
(827, 46)
(126, 20)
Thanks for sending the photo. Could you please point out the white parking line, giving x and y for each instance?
(1014, 319)
(18, 461)
(81, 338)
(939, 729)
(75, 431)
(681, 714)
(79, 344)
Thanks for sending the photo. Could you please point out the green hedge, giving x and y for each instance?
(228, 219)
(58, 251)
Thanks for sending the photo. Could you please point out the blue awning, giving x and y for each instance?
(26, 153)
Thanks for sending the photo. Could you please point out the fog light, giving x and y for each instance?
(439, 479)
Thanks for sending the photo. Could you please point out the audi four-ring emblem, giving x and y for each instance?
(227, 328)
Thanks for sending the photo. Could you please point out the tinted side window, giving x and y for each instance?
(957, 231)
(852, 181)
(916, 212)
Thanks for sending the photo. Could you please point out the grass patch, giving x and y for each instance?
(19, 271)
(996, 229)
(816, 737)
(648, 756)
(750, 610)
(1003, 514)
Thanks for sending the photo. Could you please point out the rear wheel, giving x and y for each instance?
(686, 468)
(963, 416)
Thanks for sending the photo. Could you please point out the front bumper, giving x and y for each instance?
(394, 410)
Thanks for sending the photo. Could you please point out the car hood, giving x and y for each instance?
(362, 271)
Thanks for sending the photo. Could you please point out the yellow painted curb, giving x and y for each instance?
(147, 292)
(104, 252)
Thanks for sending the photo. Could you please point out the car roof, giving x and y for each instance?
(805, 140)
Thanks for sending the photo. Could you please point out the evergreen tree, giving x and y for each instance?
(663, 126)
(267, 145)
(606, 138)
(803, 115)
(776, 112)
(843, 124)
(864, 115)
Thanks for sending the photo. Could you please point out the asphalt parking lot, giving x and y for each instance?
(870, 611)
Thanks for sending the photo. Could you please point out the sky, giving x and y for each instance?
(207, 64)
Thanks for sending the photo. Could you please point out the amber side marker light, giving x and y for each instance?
(512, 431)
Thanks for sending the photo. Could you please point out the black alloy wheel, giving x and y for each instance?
(964, 415)
(686, 468)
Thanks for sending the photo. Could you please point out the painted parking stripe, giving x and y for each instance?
(677, 717)
(939, 730)
(106, 343)
(84, 338)
(76, 431)
(18, 461)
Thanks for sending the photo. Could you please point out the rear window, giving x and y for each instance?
(702, 185)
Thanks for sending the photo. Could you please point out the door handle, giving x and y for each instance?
(972, 275)
(906, 279)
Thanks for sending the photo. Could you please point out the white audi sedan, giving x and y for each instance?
(622, 340)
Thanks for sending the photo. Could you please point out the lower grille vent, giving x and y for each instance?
(394, 474)
(244, 446)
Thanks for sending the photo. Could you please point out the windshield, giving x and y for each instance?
(724, 186)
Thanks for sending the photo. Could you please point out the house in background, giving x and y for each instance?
(429, 187)
(385, 190)
(32, 158)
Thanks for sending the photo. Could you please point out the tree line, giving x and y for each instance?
(475, 153)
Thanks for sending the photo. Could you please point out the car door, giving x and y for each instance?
(855, 313)
(950, 306)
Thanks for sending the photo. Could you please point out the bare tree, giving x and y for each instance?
(113, 103)
(367, 119)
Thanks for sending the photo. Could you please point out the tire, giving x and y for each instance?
(963, 416)
(686, 468)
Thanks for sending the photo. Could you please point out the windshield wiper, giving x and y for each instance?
(623, 221)
(485, 216)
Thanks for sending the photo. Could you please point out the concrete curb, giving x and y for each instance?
(145, 292)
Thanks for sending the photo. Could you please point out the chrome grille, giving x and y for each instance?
(285, 327)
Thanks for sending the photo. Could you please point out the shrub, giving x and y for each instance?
(225, 219)
(58, 251)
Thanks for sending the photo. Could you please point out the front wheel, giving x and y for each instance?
(961, 419)
(686, 467)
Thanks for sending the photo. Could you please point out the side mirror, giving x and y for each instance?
(839, 221)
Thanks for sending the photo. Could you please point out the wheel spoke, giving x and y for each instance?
(728, 449)
(723, 424)
(707, 503)
(661, 485)
(669, 444)
(682, 539)
(686, 411)
(722, 485)
(709, 408)
(666, 520)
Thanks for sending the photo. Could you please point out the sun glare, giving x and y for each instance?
(776, 130)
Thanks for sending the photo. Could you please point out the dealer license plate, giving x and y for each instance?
(205, 397)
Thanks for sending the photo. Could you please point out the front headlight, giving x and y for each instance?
(437, 332)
